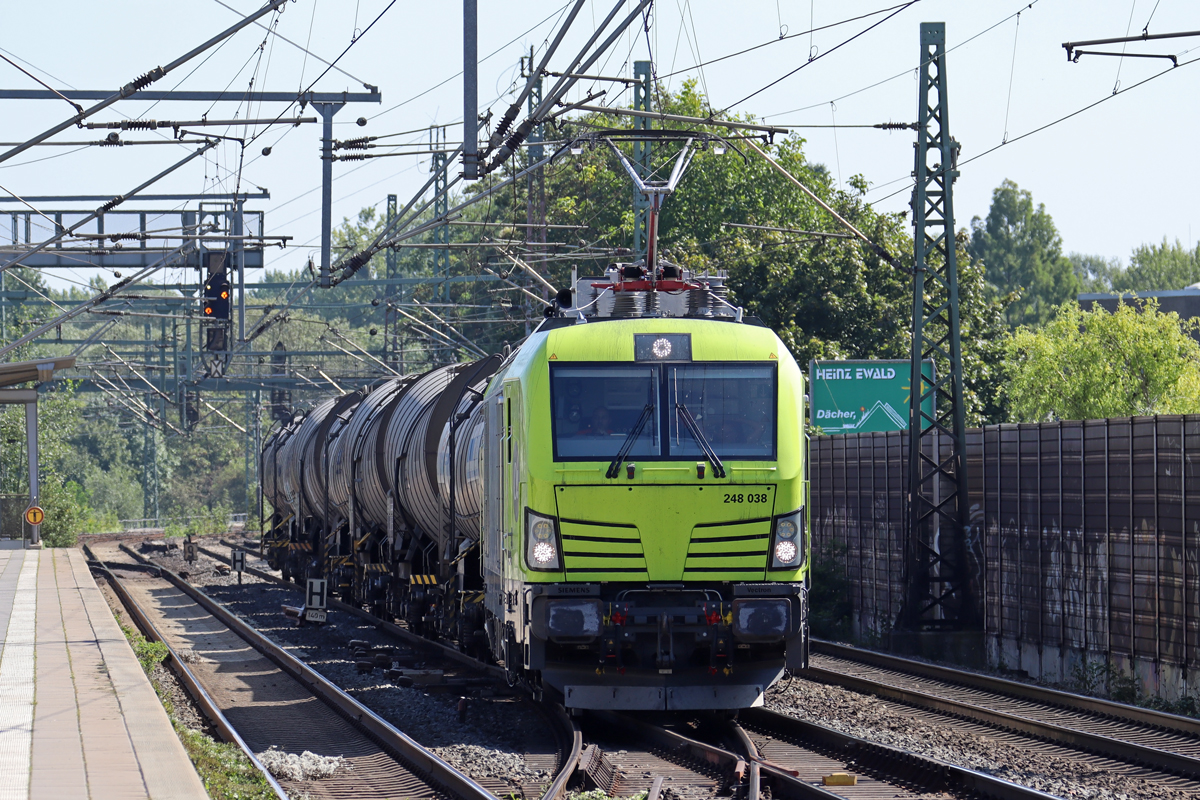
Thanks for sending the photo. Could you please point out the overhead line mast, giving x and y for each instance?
(939, 593)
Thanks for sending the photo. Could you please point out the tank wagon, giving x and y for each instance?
(616, 510)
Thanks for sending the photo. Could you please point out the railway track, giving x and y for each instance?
(625, 756)
(1136, 736)
(272, 699)
(552, 750)
(768, 755)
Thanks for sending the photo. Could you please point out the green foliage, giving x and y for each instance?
(1090, 677)
(1021, 252)
(830, 607)
(1159, 268)
(148, 653)
(226, 772)
(600, 794)
(1092, 364)
(1095, 273)
(206, 522)
(67, 511)
(825, 297)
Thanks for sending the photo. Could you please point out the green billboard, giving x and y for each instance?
(862, 396)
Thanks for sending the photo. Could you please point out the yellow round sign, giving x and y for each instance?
(34, 515)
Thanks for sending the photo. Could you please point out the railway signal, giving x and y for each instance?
(216, 295)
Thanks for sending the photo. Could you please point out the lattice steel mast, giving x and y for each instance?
(939, 594)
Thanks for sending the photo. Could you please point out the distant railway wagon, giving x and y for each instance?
(615, 510)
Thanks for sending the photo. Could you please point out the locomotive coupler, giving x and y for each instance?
(665, 657)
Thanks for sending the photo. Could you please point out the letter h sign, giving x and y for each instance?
(315, 597)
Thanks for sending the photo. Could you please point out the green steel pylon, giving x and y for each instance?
(939, 593)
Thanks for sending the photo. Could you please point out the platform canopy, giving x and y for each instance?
(40, 370)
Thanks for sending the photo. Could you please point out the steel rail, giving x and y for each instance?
(1025, 691)
(210, 709)
(568, 731)
(680, 746)
(934, 773)
(1129, 752)
(388, 627)
(400, 745)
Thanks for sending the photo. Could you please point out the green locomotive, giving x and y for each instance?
(616, 510)
(644, 534)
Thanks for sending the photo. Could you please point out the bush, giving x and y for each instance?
(67, 511)
(830, 608)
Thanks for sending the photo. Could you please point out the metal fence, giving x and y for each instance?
(1084, 543)
(161, 523)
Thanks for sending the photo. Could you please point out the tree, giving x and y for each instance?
(1095, 273)
(1092, 365)
(1021, 253)
(1159, 268)
(826, 297)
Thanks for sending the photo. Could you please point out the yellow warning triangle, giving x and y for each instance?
(773, 356)
(553, 357)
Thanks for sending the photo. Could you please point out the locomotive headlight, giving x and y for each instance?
(541, 542)
(788, 546)
(542, 530)
(786, 528)
(785, 553)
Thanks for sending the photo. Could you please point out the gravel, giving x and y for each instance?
(492, 743)
(1041, 766)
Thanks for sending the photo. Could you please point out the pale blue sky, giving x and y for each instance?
(1115, 176)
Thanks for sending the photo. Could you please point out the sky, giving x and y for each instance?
(1113, 176)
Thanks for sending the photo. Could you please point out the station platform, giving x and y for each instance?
(78, 716)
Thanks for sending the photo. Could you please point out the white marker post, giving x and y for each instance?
(314, 601)
(237, 557)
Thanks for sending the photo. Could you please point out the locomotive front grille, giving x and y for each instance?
(724, 551)
(665, 533)
(602, 552)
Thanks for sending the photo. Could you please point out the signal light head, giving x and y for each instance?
(224, 294)
(208, 310)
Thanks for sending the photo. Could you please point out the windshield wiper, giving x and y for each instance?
(698, 435)
(614, 469)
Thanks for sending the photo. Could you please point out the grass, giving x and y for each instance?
(226, 772)
(1103, 679)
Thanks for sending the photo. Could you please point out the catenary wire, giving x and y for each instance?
(782, 39)
(307, 52)
(909, 70)
(1048, 125)
(830, 51)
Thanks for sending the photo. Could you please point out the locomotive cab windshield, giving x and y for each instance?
(596, 407)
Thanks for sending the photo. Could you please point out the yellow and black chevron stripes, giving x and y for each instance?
(422, 580)
(473, 597)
